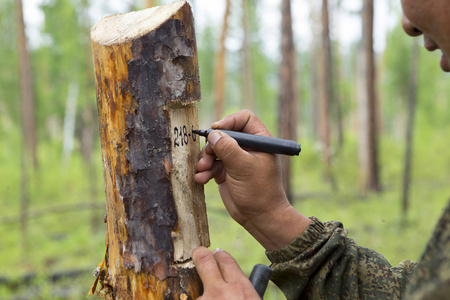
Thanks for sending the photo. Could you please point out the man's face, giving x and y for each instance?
(432, 18)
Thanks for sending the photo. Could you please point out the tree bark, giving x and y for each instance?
(368, 150)
(220, 69)
(26, 88)
(148, 85)
(288, 105)
(412, 101)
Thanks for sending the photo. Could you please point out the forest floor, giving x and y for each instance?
(62, 237)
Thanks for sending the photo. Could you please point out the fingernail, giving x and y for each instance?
(215, 125)
(213, 137)
(216, 250)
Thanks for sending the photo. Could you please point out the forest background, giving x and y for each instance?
(52, 204)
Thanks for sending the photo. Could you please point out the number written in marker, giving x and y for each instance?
(182, 136)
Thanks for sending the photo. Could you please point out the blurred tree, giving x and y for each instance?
(397, 64)
(412, 100)
(206, 43)
(28, 125)
(264, 69)
(288, 92)
(9, 72)
(150, 3)
(248, 100)
(220, 69)
(60, 61)
(325, 85)
(89, 131)
(368, 142)
(314, 50)
(26, 88)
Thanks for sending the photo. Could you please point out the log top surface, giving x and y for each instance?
(123, 28)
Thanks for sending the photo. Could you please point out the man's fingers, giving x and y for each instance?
(216, 171)
(228, 150)
(207, 267)
(245, 121)
(231, 272)
(206, 160)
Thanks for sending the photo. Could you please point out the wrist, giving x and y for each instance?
(277, 228)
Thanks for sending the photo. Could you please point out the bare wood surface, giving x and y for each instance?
(147, 83)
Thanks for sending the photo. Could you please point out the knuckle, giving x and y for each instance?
(202, 255)
(248, 112)
(227, 147)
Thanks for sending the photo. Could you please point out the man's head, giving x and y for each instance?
(432, 19)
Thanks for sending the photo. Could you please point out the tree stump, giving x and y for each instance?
(147, 82)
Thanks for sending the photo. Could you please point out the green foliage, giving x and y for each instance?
(68, 241)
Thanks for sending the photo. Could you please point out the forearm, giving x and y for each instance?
(323, 263)
(277, 228)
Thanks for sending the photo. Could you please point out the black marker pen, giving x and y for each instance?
(258, 142)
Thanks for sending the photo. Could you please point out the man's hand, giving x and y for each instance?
(221, 276)
(250, 183)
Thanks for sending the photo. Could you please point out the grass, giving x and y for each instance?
(68, 241)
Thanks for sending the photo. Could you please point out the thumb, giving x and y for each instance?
(227, 149)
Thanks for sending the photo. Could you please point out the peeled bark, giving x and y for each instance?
(147, 81)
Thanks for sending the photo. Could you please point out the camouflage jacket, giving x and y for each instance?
(323, 263)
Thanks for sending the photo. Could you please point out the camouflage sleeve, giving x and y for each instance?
(323, 263)
(432, 275)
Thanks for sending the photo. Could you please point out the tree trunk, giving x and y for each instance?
(325, 86)
(288, 115)
(26, 88)
(412, 101)
(314, 50)
(368, 151)
(149, 3)
(89, 130)
(69, 122)
(248, 100)
(148, 85)
(220, 71)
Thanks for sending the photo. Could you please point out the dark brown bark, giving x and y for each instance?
(220, 69)
(247, 86)
(147, 87)
(368, 118)
(412, 101)
(288, 99)
(26, 89)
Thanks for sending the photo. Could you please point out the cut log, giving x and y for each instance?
(147, 82)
